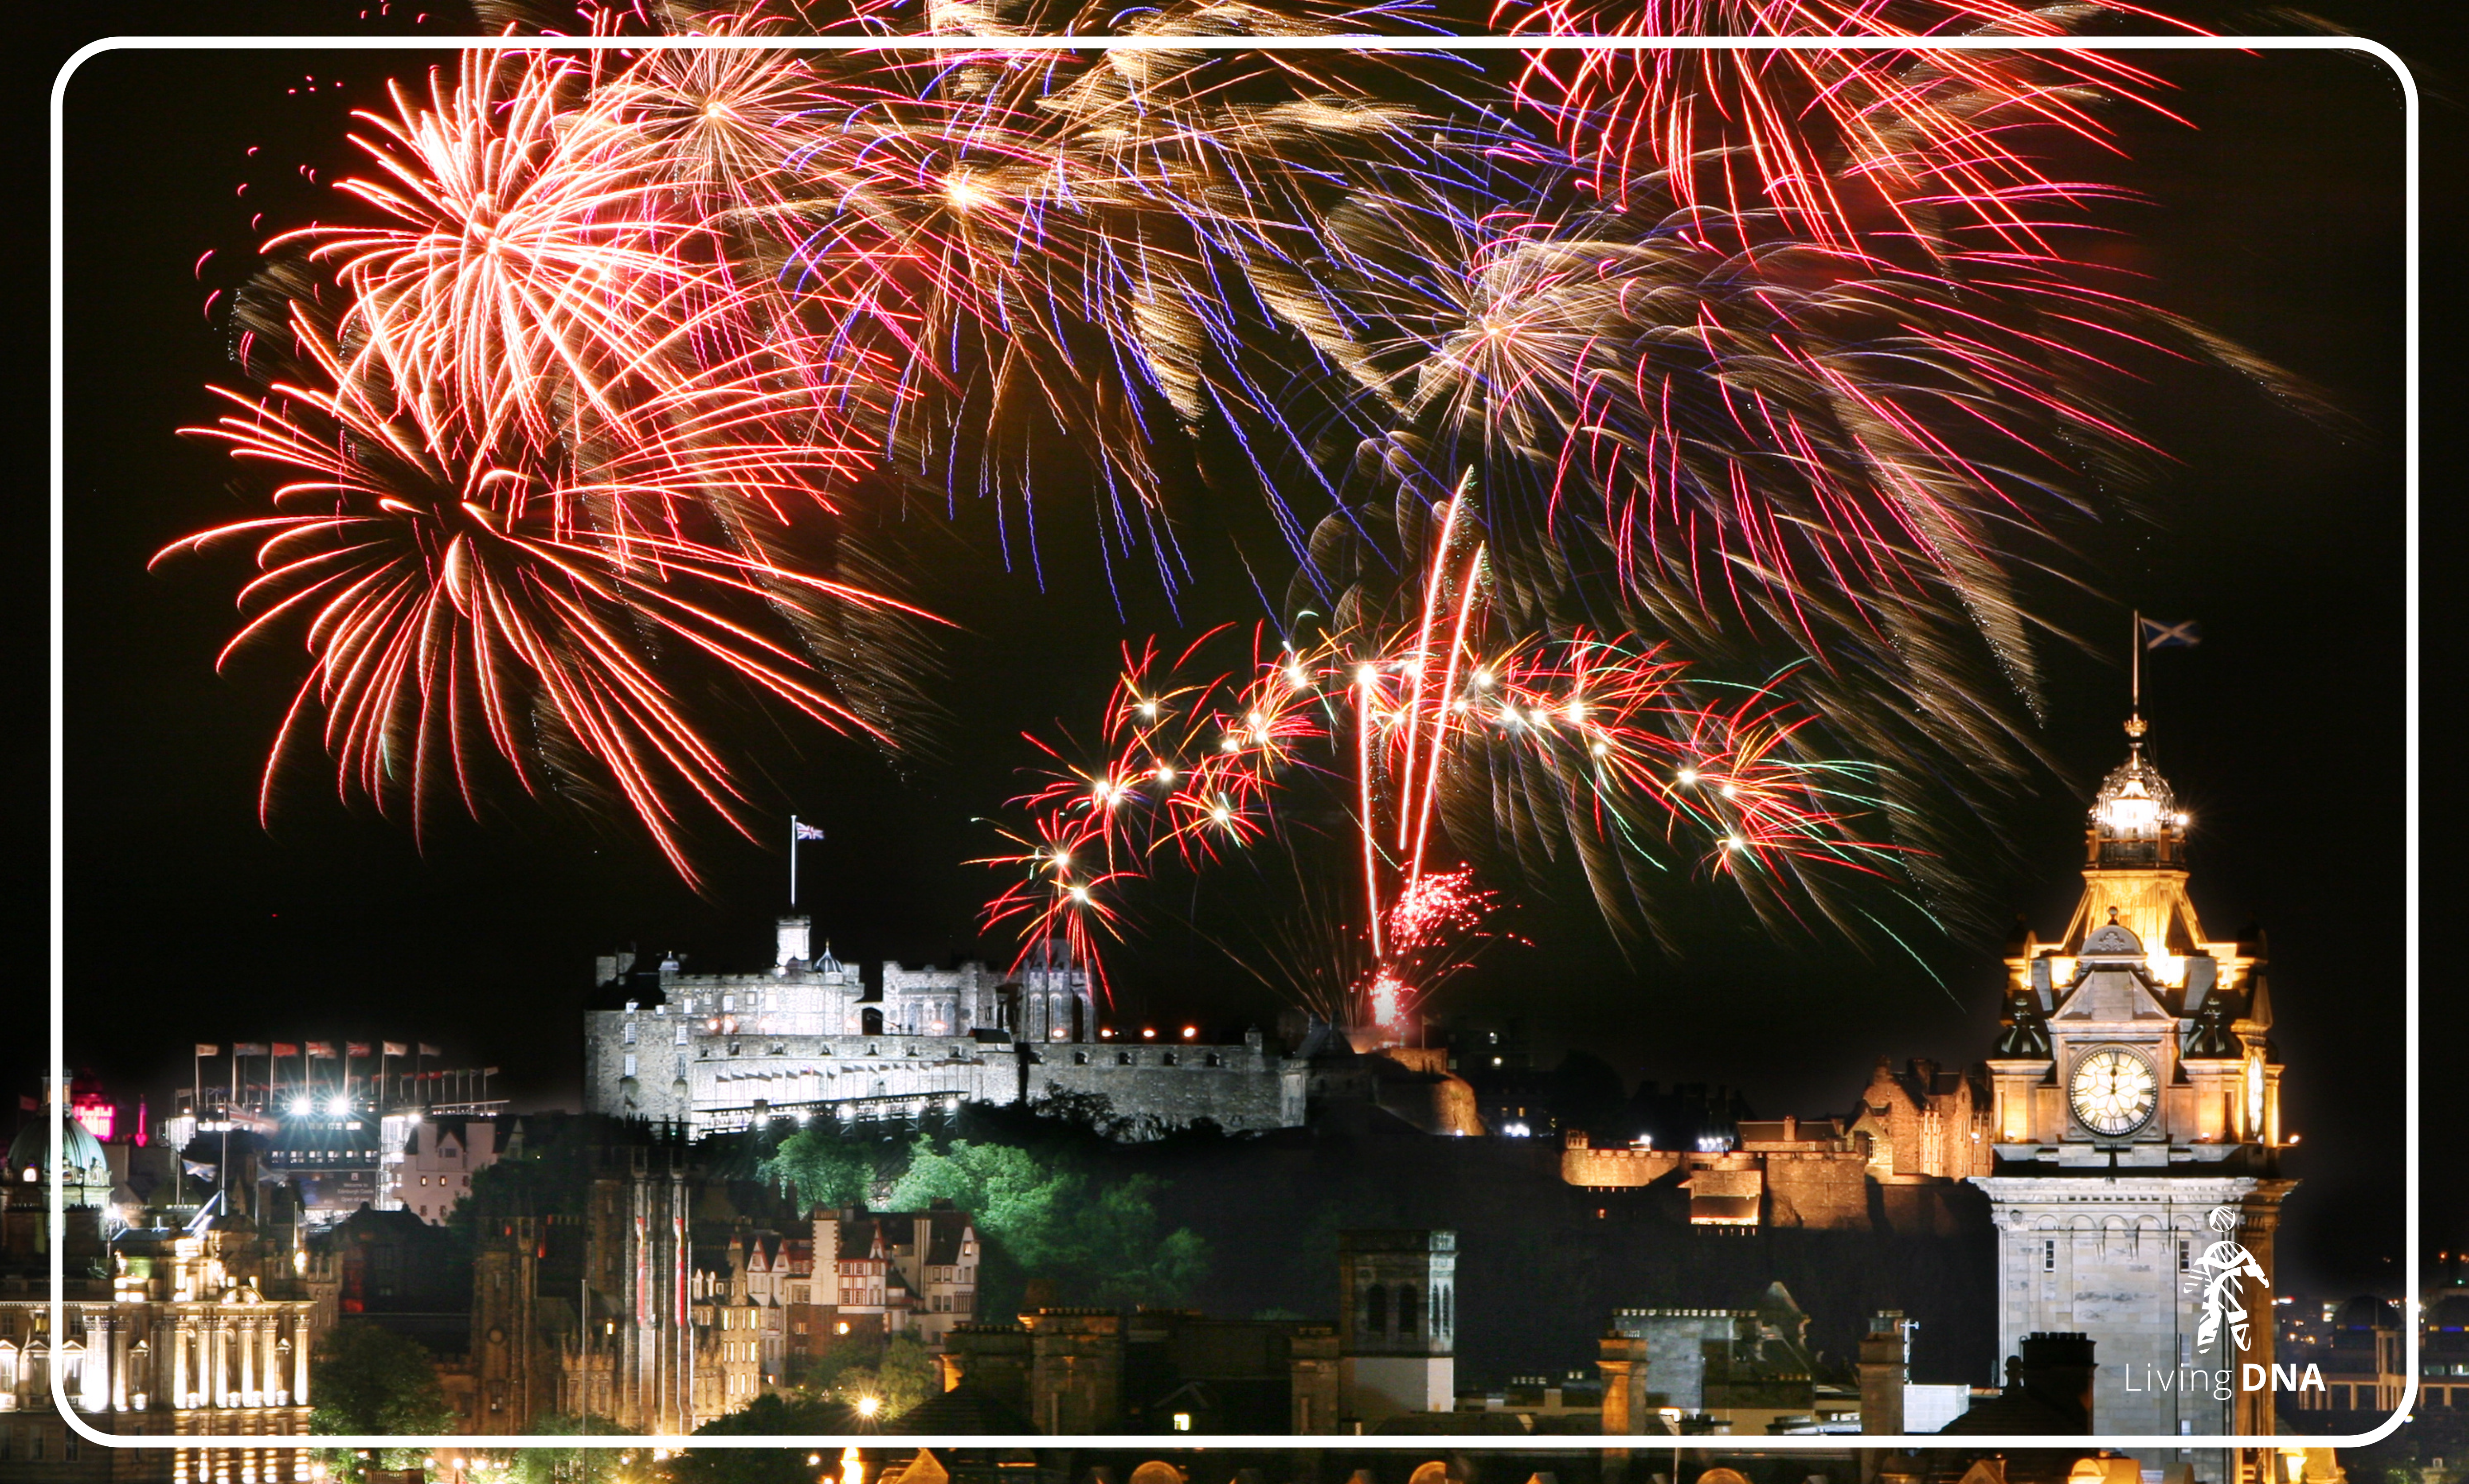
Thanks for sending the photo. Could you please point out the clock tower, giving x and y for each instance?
(2135, 1093)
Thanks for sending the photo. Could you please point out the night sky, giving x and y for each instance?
(2277, 221)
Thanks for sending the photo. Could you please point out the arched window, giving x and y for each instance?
(1410, 1309)
(870, 1022)
(1376, 1310)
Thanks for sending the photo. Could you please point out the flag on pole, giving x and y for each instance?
(2157, 635)
(246, 1048)
(206, 1050)
(394, 1048)
(807, 832)
(284, 1048)
(355, 1048)
(322, 1048)
(427, 1050)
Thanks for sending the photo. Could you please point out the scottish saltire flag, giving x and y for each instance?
(2157, 635)
(807, 832)
(249, 1048)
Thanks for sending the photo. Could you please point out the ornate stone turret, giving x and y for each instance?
(2135, 822)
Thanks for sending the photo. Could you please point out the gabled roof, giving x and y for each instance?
(966, 1408)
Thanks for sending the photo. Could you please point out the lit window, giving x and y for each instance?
(1183, 1422)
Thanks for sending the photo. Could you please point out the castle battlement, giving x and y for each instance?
(717, 1052)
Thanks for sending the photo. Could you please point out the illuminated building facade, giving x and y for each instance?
(2134, 1093)
(718, 1052)
(191, 1330)
(428, 1167)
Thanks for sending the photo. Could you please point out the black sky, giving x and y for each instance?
(2275, 220)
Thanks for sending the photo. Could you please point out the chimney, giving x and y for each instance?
(1885, 1368)
(797, 940)
(1622, 1360)
(2057, 1370)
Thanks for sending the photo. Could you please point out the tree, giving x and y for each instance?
(1099, 1242)
(580, 1464)
(902, 1376)
(773, 1415)
(371, 1380)
(822, 1166)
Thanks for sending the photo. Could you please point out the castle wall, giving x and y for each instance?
(1239, 1088)
(1618, 1168)
(729, 1081)
(1827, 1191)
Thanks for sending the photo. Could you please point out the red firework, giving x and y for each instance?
(1193, 769)
(1829, 137)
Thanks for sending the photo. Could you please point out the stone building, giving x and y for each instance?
(1925, 1123)
(1743, 1368)
(1396, 1322)
(672, 1297)
(1781, 1171)
(713, 1052)
(428, 1167)
(198, 1329)
(1390, 1359)
(2134, 1120)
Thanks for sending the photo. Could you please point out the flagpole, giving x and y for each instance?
(2135, 644)
(793, 862)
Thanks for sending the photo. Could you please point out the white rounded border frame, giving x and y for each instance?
(55, 1108)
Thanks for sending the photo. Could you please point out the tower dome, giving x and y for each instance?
(2136, 821)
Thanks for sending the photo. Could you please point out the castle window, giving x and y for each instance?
(1214, 1060)
(728, 1002)
(1170, 1060)
(1122, 1058)
(630, 1033)
(1410, 1309)
(2184, 1256)
(2049, 1256)
(680, 1038)
(1079, 1058)
(629, 1071)
(1376, 1310)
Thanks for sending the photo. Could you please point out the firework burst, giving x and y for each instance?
(1193, 771)
(1777, 357)
(460, 599)
(1929, 144)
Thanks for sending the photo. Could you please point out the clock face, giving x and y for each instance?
(2113, 1090)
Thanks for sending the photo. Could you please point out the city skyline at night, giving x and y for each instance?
(1216, 666)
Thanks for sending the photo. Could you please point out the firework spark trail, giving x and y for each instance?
(1192, 769)
(429, 577)
(1786, 343)
(1937, 141)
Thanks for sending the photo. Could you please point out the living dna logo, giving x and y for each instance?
(2219, 1276)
